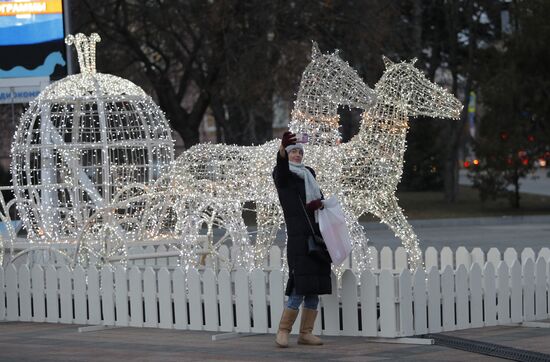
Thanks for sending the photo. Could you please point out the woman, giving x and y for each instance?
(308, 276)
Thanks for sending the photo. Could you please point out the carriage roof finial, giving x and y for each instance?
(85, 48)
(387, 62)
(315, 52)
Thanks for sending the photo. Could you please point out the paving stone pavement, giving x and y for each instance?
(60, 342)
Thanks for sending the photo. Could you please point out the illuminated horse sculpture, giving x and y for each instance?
(214, 182)
(218, 179)
(372, 162)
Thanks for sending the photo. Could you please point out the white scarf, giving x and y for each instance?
(313, 192)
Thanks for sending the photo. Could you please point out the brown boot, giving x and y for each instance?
(285, 326)
(306, 326)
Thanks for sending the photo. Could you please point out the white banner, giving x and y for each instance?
(21, 90)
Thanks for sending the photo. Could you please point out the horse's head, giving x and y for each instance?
(404, 85)
(327, 82)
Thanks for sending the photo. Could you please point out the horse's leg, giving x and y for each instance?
(391, 214)
(268, 221)
(232, 220)
(188, 223)
(361, 256)
(360, 253)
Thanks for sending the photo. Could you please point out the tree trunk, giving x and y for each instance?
(515, 199)
(237, 128)
(456, 129)
(219, 118)
(417, 26)
(263, 123)
(186, 124)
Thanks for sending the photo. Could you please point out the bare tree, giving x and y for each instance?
(453, 33)
(169, 44)
(232, 56)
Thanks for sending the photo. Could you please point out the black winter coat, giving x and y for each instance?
(310, 276)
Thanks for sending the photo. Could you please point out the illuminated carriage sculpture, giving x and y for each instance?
(83, 156)
(91, 164)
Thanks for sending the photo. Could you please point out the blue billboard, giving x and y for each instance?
(31, 39)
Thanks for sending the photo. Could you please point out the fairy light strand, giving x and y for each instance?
(372, 162)
(80, 143)
(219, 181)
(364, 172)
(92, 165)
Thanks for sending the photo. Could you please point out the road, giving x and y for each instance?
(486, 233)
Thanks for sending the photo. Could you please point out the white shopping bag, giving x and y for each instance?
(334, 229)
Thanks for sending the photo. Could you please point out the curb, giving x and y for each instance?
(499, 220)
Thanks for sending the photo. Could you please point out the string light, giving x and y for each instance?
(327, 82)
(372, 162)
(82, 154)
(91, 164)
(217, 181)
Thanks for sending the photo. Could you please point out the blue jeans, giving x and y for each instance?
(294, 301)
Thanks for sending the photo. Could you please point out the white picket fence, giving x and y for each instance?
(397, 260)
(158, 254)
(382, 303)
(386, 258)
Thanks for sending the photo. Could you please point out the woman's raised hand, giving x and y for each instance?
(288, 139)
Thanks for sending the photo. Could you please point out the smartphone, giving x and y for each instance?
(302, 137)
